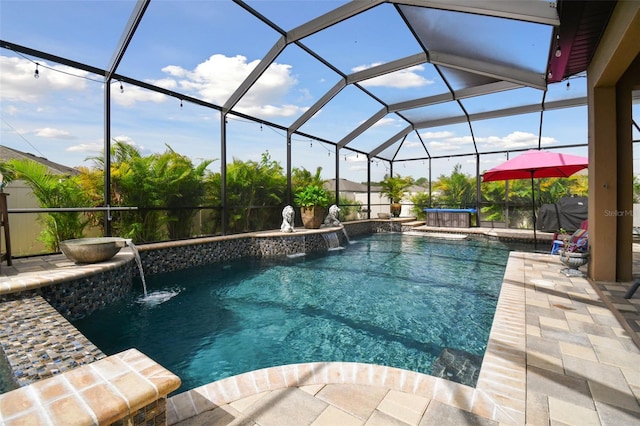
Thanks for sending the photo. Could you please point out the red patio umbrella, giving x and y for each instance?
(536, 164)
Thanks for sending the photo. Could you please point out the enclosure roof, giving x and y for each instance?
(422, 63)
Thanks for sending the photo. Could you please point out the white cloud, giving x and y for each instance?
(17, 82)
(93, 147)
(514, 140)
(132, 94)
(217, 78)
(402, 79)
(437, 135)
(48, 132)
(435, 146)
(412, 144)
(129, 141)
(356, 158)
(386, 121)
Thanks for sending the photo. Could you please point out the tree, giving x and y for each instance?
(182, 190)
(456, 190)
(166, 188)
(420, 201)
(54, 191)
(301, 177)
(255, 193)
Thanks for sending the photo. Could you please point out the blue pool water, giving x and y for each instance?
(388, 299)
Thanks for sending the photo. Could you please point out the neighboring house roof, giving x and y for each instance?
(418, 188)
(7, 153)
(345, 186)
(350, 186)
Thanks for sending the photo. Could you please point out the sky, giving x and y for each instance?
(206, 49)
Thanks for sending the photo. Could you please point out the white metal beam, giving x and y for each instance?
(505, 112)
(338, 14)
(540, 12)
(388, 68)
(255, 74)
(361, 128)
(499, 72)
(318, 105)
(401, 134)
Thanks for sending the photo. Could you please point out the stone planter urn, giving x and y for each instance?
(312, 217)
(573, 261)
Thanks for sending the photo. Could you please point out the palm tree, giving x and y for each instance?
(456, 190)
(54, 191)
(395, 188)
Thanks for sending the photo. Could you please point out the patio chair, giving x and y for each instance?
(558, 244)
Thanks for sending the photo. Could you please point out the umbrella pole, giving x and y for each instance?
(533, 211)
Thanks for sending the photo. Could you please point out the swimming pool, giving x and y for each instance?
(388, 299)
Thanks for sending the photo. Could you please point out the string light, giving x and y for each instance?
(568, 85)
(121, 88)
(260, 126)
(180, 103)
(558, 51)
(36, 73)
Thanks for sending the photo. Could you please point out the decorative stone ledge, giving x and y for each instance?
(128, 388)
(39, 343)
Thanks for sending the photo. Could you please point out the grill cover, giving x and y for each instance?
(567, 213)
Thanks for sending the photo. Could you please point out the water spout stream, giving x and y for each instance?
(136, 254)
(332, 240)
(344, 231)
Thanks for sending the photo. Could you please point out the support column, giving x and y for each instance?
(611, 75)
(603, 190)
(624, 118)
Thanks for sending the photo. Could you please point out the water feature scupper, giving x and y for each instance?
(332, 219)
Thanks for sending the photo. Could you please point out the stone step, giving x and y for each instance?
(414, 223)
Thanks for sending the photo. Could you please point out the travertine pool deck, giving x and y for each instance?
(562, 351)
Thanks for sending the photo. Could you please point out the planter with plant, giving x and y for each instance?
(313, 201)
(395, 188)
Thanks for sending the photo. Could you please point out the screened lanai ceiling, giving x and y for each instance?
(422, 66)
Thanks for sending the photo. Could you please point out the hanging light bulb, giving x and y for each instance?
(180, 103)
(568, 85)
(36, 73)
(558, 51)
(550, 75)
(121, 88)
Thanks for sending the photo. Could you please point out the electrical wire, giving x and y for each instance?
(23, 138)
